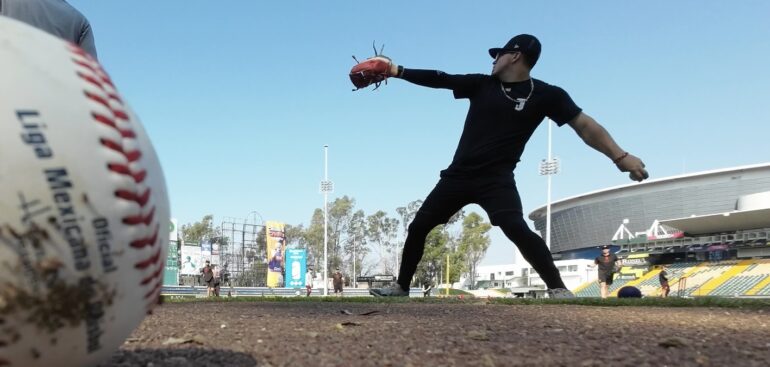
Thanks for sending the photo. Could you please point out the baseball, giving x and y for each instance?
(84, 210)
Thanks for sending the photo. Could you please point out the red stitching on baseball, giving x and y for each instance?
(131, 156)
(147, 241)
(144, 264)
(101, 80)
(126, 171)
(75, 49)
(152, 276)
(119, 114)
(90, 79)
(96, 69)
(140, 219)
(125, 133)
(152, 294)
(140, 199)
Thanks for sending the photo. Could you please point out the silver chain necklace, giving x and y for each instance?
(520, 102)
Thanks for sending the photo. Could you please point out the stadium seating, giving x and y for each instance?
(738, 285)
(730, 278)
(764, 291)
(704, 273)
(751, 273)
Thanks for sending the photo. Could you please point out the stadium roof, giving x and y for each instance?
(721, 222)
(646, 184)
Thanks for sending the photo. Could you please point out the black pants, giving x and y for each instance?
(498, 196)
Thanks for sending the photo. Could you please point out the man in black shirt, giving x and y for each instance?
(505, 109)
(606, 266)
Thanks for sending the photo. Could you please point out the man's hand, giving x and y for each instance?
(634, 166)
(598, 138)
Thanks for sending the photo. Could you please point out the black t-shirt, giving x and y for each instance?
(497, 126)
(606, 263)
(208, 274)
(663, 276)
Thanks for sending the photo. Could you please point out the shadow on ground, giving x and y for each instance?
(180, 357)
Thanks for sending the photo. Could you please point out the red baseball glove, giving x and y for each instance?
(373, 70)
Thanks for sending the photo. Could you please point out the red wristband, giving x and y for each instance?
(618, 159)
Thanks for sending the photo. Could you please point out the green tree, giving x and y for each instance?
(295, 236)
(382, 232)
(474, 243)
(407, 214)
(314, 235)
(356, 245)
(340, 214)
(439, 242)
(199, 231)
(433, 259)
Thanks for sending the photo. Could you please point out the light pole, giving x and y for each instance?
(326, 187)
(354, 265)
(549, 167)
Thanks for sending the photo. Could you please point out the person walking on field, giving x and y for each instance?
(207, 273)
(337, 281)
(216, 281)
(309, 282)
(665, 289)
(606, 265)
(505, 109)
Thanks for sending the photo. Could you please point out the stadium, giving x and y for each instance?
(711, 228)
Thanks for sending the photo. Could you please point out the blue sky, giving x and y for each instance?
(239, 97)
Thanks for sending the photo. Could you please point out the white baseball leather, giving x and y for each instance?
(84, 213)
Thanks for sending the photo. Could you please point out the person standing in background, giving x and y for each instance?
(207, 273)
(309, 282)
(663, 278)
(337, 281)
(606, 267)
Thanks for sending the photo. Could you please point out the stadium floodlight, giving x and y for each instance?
(549, 167)
(326, 187)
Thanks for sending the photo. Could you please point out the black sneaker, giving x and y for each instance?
(394, 290)
(560, 293)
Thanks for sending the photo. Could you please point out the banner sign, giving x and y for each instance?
(171, 271)
(275, 250)
(192, 262)
(296, 260)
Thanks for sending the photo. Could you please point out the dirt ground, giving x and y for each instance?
(444, 334)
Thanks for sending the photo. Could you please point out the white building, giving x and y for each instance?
(522, 276)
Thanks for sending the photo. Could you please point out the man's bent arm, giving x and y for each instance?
(597, 137)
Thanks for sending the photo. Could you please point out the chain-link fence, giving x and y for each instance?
(243, 256)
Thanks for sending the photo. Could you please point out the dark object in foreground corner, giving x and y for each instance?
(629, 291)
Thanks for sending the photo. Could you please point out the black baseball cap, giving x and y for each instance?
(606, 247)
(524, 43)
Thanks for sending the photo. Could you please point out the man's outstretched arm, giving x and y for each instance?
(595, 136)
(435, 78)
